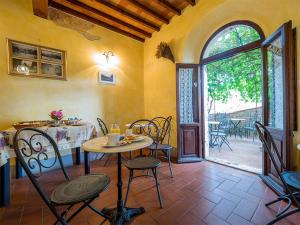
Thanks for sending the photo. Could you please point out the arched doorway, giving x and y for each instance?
(231, 71)
(279, 100)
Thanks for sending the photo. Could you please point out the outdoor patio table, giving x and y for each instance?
(236, 122)
(120, 214)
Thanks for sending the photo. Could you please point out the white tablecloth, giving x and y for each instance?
(66, 137)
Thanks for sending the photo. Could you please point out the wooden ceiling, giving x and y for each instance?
(137, 19)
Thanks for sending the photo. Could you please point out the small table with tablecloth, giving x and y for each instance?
(66, 137)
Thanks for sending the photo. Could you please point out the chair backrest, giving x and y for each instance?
(102, 126)
(147, 128)
(37, 151)
(164, 126)
(271, 149)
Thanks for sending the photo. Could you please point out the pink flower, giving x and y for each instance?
(56, 115)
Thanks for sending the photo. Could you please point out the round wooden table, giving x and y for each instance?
(120, 214)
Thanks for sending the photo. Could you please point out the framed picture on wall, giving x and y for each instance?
(107, 78)
(36, 61)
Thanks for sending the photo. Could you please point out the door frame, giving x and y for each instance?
(227, 54)
(288, 36)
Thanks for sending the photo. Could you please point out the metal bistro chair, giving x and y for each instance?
(289, 179)
(104, 131)
(34, 159)
(145, 163)
(250, 125)
(219, 136)
(163, 145)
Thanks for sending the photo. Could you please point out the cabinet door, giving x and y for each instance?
(188, 116)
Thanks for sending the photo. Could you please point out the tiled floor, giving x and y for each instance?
(200, 193)
(247, 157)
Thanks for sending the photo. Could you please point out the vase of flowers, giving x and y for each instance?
(56, 116)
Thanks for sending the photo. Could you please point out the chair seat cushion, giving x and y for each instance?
(160, 147)
(80, 189)
(292, 179)
(142, 163)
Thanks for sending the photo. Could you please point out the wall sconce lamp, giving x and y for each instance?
(107, 59)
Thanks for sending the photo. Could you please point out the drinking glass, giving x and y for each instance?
(115, 128)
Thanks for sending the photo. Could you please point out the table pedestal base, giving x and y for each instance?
(119, 217)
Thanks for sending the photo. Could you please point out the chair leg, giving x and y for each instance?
(170, 163)
(157, 187)
(283, 216)
(128, 186)
(107, 160)
(276, 200)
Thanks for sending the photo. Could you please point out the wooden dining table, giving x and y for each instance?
(120, 214)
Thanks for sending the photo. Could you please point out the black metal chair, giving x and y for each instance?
(163, 145)
(149, 128)
(33, 153)
(102, 126)
(104, 132)
(220, 136)
(289, 179)
(249, 128)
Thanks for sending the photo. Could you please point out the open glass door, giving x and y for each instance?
(188, 118)
(279, 99)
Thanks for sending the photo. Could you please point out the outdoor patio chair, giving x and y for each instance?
(145, 163)
(164, 126)
(220, 136)
(39, 152)
(249, 128)
(289, 179)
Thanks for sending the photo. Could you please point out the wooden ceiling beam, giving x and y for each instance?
(191, 2)
(78, 5)
(149, 11)
(170, 7)
(40, 8)
(129, 15)
(93, 20)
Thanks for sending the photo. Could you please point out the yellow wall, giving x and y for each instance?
(81, 95)
(146, 85)
(187, 35)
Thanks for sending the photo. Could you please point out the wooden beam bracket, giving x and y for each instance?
(40, 8)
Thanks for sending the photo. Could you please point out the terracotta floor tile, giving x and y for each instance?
(211, 219)
(246, 209)
(200, 194)
(237, 220)
(224, 209)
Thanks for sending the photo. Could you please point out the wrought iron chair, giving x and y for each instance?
(102, 126)
(289, 179)
(163, 145)
(150, 129)
(250, 126)
(220, 136)
(33, 148)
(104, 132)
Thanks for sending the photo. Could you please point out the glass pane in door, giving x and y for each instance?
(275, 84)
(187, 99)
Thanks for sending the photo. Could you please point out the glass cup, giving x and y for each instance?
(115, 129)
(128, 132)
